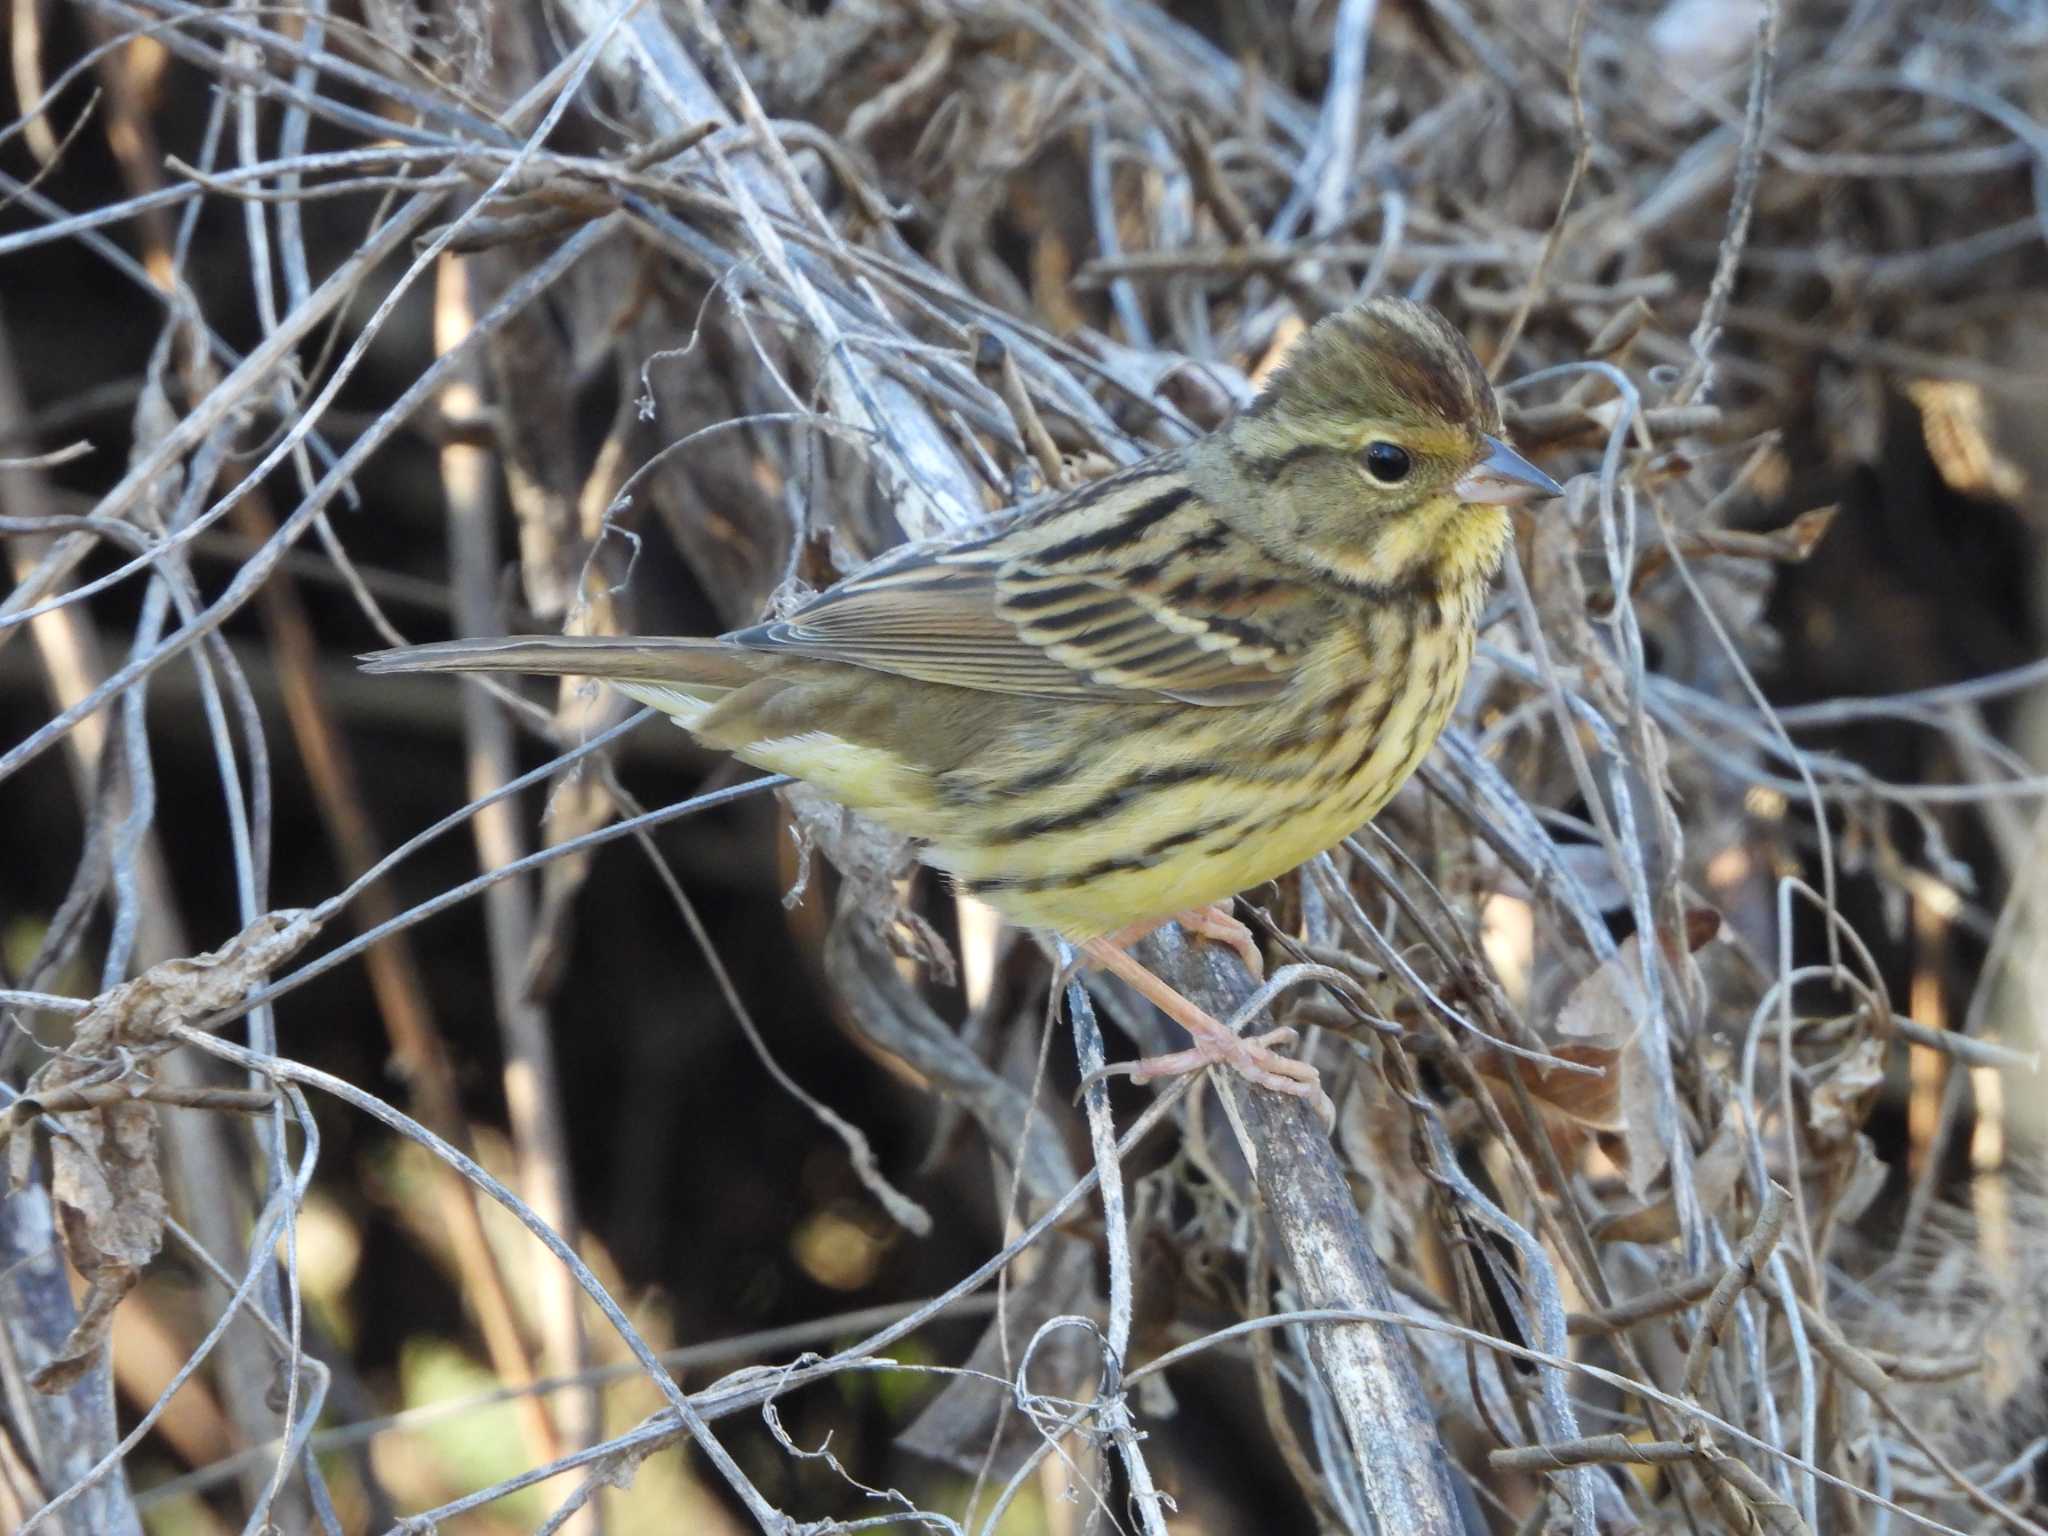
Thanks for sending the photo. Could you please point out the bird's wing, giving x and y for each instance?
(1127, 588)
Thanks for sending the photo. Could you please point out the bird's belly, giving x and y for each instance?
(1116, 898)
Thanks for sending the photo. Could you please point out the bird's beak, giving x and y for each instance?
(1504, 477)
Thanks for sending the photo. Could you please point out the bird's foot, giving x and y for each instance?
(1212, 922)
(1215, 1044)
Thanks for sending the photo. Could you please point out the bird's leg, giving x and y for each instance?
(1211, 922)
(1251, 1057)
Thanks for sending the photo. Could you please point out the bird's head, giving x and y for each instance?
(1374, 453)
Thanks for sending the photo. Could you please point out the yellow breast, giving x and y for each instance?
(1300, 775)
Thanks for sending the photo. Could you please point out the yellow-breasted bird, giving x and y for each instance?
(1155, 691)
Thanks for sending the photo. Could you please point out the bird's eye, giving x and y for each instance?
(1386, 462)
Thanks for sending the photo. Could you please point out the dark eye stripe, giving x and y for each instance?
(1269, 468)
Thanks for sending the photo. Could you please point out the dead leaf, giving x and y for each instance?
(1862, 1182)
(1604, 1007)
(1702, 926)
(1714, 1175)
(1604, 1010)
(104, 1177)
(1842, 1101)
(109, 1200)
(1570, 1106)
(1589, 1099)
(82, 1346)
(1648, 1157)
(185, 990)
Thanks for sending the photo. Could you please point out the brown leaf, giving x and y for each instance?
(1702, 927)
(104, 1178)
(1602, 1008)
(110, 1215)
(1842, 1101)
(1714, 1174)
(1571, 1107)
(82, 1346)
(1656, 1222)
(184, 990)
(1648, 1157)
(1862, 1181)
(1580, 1098)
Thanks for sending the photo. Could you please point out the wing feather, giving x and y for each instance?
(1128, 588)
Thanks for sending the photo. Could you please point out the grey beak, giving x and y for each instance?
(1504, 477)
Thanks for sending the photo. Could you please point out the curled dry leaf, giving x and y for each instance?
(104, 1177)
(1858, 1179)
(1843, 1155)
(1600, 1025)
(1596, 1102)
(1568, 1104)
(179, 991)
(1602, 1009)
(1603, 1014)
(1842, 1100)
(1648, 1157)
(1703, 925)
(110, 1207)
(1714, 1174)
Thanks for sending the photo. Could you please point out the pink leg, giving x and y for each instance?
(1212, 922)
(1252, 1058)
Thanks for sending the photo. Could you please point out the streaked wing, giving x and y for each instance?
(1127, 588)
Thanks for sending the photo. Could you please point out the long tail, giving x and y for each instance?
(680, 676)
(669, 659)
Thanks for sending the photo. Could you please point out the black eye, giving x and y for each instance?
(1386, 462)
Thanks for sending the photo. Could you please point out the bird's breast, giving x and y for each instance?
(1174, 807)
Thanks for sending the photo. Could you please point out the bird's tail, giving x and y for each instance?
(627, 658)
(680, 675)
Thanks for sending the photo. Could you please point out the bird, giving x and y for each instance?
(1157, 689)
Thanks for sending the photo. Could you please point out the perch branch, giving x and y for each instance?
(1367, 1368)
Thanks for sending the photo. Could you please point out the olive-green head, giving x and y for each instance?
(1374, 453)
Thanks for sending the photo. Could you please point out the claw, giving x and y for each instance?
(1251, 1057)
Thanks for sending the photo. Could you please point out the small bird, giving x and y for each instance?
(1155, 691)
